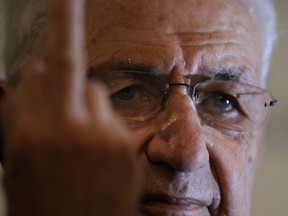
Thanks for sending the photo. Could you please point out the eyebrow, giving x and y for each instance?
(234, 73)
(227, 76)
(127, 65)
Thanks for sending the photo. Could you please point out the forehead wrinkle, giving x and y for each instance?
(206, 38)
(166, 40)
(209, 44)
(192, 34)
(190, 18)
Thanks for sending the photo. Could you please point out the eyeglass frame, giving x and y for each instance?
(192, 94)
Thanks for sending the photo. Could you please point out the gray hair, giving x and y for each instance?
(26, 28)
(25, 31)
(264, 14)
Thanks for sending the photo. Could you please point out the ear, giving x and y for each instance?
(4, 89)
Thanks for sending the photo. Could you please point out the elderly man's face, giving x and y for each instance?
(188, 168)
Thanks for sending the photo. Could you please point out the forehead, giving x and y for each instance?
(167, 15)
(150, 30)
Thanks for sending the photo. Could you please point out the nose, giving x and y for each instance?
(180, 142)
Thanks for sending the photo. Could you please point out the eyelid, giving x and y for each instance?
(119, 85)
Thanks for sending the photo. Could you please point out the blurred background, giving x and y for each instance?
(271, 186)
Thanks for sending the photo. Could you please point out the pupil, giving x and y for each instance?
(126, 94)
(222, 103)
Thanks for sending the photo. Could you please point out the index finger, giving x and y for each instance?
(66, 41)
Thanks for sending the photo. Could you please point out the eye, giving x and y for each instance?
(127, 94)
(136, 96)
(218, 102)
(222, 102)
(229, 105)
(136, 101)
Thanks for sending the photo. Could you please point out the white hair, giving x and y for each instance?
(263, 12)
(26, 26)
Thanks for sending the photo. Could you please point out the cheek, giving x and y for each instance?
(233, 155)
(253, 151)
(143, 133)
(233, 162)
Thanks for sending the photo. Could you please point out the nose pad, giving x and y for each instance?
(180, 142)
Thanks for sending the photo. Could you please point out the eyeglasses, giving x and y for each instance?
(139, 97)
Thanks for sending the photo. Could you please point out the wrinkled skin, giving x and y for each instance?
(181, 158)
(187, 168)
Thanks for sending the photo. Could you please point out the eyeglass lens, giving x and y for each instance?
(139, 96)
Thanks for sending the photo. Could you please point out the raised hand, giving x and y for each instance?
(65, 154)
